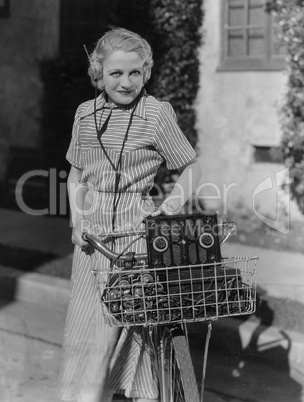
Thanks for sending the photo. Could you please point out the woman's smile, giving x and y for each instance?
(125, 92)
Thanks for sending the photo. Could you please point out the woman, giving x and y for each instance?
(119, 140)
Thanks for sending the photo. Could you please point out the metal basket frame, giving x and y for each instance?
(145, 296)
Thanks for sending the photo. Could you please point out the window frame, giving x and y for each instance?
(4, 8)
(268, 62)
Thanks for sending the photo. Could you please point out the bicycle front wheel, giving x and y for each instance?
(176, 372)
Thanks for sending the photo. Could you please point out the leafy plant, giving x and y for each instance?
(290, 27)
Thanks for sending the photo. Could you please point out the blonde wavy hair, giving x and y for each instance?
(118, 39)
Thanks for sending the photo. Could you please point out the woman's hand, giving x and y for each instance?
(185, 185)
(166, 208)
(145, 210)
(77, 239)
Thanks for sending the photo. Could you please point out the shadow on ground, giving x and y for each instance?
(247, 370)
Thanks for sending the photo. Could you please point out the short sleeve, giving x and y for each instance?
(171, 142)
(74, 151)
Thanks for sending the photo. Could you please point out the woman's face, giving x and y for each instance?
(123, 76)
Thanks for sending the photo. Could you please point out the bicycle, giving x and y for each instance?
(181, 279)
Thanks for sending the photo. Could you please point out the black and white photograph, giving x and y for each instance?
(152, 201)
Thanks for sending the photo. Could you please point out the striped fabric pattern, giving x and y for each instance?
(99, 360)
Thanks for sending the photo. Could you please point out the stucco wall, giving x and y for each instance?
(27, 36)
(235, 111)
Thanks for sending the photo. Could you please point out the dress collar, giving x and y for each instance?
(138, 109)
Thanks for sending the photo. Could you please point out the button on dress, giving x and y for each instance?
(98, 359)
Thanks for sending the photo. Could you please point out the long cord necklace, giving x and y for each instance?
(116, 168)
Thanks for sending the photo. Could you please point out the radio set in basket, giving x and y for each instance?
(184, 278)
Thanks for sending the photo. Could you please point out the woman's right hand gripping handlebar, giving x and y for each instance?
(77, 237)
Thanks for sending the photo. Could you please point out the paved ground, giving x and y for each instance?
(30, 347)
(29, 352)
(258, 359)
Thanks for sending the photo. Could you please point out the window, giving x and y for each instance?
(4, 8)
(266, 154)
(249, 39)
(82, 22)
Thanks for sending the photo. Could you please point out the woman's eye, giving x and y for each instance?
(116, 74)
(136, 72)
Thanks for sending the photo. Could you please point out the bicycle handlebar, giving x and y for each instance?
(100, 246)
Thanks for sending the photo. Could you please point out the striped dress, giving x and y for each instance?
(99, 360)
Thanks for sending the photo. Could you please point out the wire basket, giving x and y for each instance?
(194, 293)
